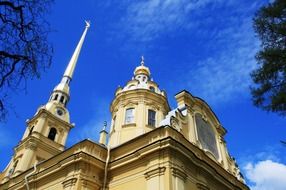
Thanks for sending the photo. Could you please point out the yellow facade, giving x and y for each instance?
(149, 146)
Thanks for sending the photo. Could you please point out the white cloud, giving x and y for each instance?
(225, 75)
(146, 20)
(266, 175)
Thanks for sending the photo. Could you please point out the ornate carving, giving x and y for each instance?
(69, 183)
(31, 145)
(44, 115)
(175, 124)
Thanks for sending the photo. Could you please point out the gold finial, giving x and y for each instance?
(142, 60)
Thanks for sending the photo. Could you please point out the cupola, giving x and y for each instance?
(137, 108)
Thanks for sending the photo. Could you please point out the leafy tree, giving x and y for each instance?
(24, 49)
(269, 90)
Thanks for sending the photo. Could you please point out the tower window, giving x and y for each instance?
(31, 130)
(152, 89)
(129, 116)
(62, 99)
(56, 97)
(52, 133)
(11, 171)
(151, 118)
(113, 123)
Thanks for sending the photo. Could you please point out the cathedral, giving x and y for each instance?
(149, 145)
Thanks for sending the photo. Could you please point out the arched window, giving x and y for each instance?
(56, 97)
(152, 89)
(52, 133)
(151, 118)
(31, 130)
(66, 102)
(206, 135)
(62, 99)
(129, 116)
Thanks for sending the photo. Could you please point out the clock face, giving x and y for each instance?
(60, 112)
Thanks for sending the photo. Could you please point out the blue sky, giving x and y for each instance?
(204, 46)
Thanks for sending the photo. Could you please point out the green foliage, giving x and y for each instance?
(269, 90)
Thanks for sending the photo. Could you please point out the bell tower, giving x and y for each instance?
(47, 130)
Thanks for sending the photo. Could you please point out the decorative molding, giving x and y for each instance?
(129, 125)
(69, 183)
(31, 145)
(175, 124)
(155, 172)
(178, 172)
(44, 115)
(86, 183)
(130, 104)
(201, 186)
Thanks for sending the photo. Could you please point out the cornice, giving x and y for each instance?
(44, 113)
(167, 138)
(81, 152)
(136, 95)
(155, 172)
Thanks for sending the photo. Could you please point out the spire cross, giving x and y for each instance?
(142, 60)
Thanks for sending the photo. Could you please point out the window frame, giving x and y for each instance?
(206, 148)
(127, 117)
(52, 133)
(151, 121)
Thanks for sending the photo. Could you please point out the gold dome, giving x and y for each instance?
(142, 69)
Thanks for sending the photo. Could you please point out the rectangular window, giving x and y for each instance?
(113, 124)
(129, 116)
(151, 118)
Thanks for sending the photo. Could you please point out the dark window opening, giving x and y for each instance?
(31, 130)
(151, 118)
(66, 102)
(52, 134)
(152, 89)
(15, 164)
(11, 171)
(56, 97)
(62, 99)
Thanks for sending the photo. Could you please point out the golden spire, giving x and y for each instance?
(63, 86)
(71, 66)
